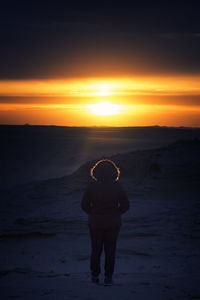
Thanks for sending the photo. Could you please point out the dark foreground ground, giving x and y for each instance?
(44, 238)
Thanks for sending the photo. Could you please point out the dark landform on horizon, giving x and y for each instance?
(30, 153)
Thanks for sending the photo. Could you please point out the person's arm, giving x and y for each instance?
(123, 201)
(85, 202)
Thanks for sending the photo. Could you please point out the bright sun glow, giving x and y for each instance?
(105, 108)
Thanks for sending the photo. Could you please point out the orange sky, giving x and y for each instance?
(142, 101)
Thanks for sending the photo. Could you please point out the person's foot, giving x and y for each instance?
(108, 280)
(95, 279)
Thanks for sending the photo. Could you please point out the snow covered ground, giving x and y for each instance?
(45, 244)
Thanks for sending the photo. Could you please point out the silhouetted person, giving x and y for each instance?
(104, 201)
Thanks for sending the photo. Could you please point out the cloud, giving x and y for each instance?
(101, 87)
(60, 41)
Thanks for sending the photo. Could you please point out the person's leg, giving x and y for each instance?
(97, 237)
(110, 242)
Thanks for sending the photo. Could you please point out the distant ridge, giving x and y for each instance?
(30, 152)
(102, 126)
(177, 159)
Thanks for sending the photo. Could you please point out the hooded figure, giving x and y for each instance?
(104, 201)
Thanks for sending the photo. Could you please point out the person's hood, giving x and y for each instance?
(105, 170)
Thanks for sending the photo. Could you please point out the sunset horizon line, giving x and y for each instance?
(99, 126)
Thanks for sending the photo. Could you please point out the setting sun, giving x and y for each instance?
(124, 101)
(105, 108)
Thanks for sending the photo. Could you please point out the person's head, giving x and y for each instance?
(105, 170)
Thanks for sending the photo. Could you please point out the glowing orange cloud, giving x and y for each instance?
(91, 87)
(134, 101)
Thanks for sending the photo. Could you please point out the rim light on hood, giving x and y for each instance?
(103, 160)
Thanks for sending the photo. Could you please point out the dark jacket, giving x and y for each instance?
(104, 202)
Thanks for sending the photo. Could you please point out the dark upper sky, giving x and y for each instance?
(56, 40)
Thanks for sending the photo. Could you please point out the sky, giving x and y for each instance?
(109, 65)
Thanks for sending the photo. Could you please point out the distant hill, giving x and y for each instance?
(30, 153)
